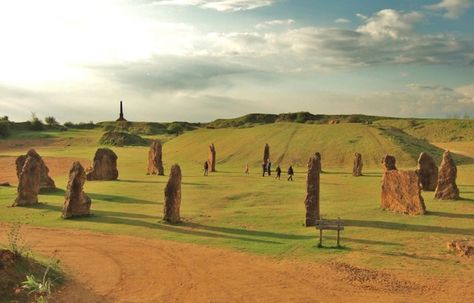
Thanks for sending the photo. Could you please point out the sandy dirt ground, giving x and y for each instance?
(114, 268)
(58, 166)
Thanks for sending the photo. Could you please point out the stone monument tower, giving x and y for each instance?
(121, 118)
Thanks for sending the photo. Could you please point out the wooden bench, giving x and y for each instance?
(329, 225)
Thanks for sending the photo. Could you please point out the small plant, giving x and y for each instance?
(16, 243)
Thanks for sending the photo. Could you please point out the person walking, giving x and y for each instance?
(278, 172)
(269, 168)
(206, 168)
(290, 173)
(264, 168)
(247, 169)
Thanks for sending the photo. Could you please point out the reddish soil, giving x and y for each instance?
(114, 268)
(58, 166)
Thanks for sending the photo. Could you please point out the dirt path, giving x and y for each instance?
(113, 268)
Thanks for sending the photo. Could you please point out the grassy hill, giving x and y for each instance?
(293, 143)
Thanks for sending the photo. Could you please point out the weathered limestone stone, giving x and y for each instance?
(358, 164)
(173, 196)
(104, 166)
(428, 172)
(389, 162)
(312, 191)
(266, 154)
(46, 182)
(29, 182)
(318, 158)
(155, 161)
(446, 188)
(401, 192)
(76, 202)
(211, 160)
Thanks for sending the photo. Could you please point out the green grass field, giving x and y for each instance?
(263, 215)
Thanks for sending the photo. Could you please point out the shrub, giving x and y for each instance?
(35, 123)
(51, 121)
(116, 138)
(4, 128)
(175, 128)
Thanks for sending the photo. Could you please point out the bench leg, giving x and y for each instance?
(320, 238)
(338, 238)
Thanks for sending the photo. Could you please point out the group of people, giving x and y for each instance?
(266, 167)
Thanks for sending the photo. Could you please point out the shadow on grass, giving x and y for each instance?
(410, 227)
(450, 215)
(179, 228)
(118, 199)
(103, 197)
(141, 181)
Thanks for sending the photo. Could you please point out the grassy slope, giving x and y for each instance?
(262, 215)
(294, 143)
(448, 130)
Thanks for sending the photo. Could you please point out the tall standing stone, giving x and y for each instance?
(266, 154)
(312, 191)
(155, 159)
(76, 202)
(29, 182)
(447, 188)
(358, 164)
(389, 163)
(211, 159)
(104, 166)
(319, 159)
(401, 192)
(46, 182)
(428, 172)
(173, 196)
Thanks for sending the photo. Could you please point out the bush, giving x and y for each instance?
(115, 138)
(4, 128)
(80, 125)
(35, 123)
(51, 121)
(175, 128)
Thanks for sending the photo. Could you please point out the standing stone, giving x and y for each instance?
(401, 192)
(155, 162)
(266, 154)
(389, 162)
(428, 172)
(312, 191)
(76, 202)
(211, 159)
(104, 166)
(447, 188)
(318, 158)
(173, 196)
(29, 182)
(358, 164)
(46, 182)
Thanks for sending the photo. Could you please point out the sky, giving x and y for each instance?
(199, 60)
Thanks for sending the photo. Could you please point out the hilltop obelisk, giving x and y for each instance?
(121, 118)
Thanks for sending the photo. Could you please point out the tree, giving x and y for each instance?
(175, 128)
(35, 123)
(51, 121)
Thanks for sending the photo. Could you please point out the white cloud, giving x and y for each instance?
(452, 8)
(219, 5)
(390, 23)
(342, 21)
(271, 23)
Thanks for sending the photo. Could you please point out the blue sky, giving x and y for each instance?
(198, 60)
